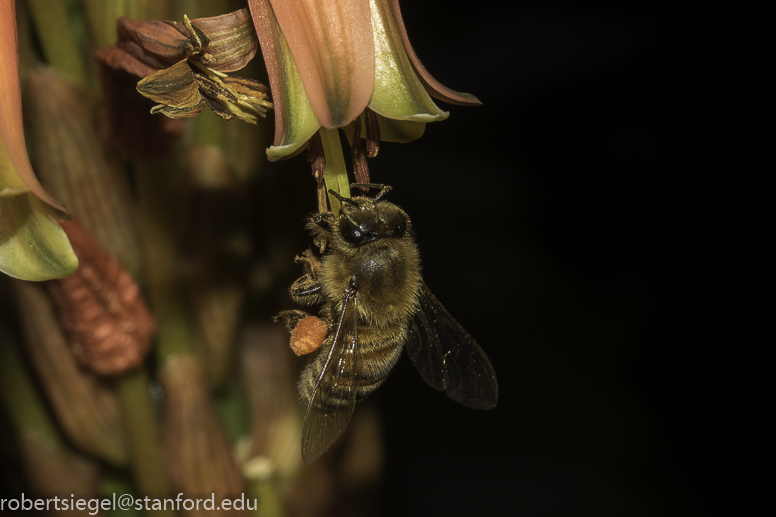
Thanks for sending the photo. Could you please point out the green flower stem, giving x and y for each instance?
(204, 8)
(174, 328)
(57, 39)
(149, 471)
(155, 219)
(267, 493)
(102, 15)
(209, 129)
(24, 405)
(335, 174)
(231, 407)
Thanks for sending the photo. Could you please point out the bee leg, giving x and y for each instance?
(290, 319)
(320, 226)
(307, 332)
(307, 289)
(310, 264)
(384, 189)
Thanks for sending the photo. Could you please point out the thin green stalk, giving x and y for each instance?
(267, 496)
(210, 129)
(161, 256)
(206, 8)
(57, 39)
(25, 407)
(231, 406)
(149, 470)
(335, 174)
(102, 15)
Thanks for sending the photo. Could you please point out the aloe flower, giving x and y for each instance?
(32, 245)
(335, 64)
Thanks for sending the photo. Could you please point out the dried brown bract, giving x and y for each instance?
(184, 65)
(101, 309)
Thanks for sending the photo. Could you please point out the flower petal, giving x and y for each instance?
(331, 41)
(119, 59)
(233, 41)
(398, 92)
(295, 120)
(401, 131)
(390, 130)
(175, 89)
(32, 245)
(15, 168)
(434, 87)
(155, 43)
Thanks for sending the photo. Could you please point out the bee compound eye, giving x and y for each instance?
(351, 233)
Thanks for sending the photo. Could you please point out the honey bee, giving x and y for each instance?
(374, 303)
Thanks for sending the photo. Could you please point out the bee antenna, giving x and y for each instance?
(342, 199)
(384, 189)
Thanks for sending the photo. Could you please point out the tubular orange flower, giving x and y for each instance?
(329, 61)
(336, 64)
(32, 245)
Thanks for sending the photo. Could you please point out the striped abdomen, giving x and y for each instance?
(377, 352)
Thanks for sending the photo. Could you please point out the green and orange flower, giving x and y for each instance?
(333, 64)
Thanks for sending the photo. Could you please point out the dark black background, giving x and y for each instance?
(547, 223)
(550, 226)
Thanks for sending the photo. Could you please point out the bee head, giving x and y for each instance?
(363, 220)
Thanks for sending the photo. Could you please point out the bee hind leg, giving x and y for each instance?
(307, 332)
(320, 225)
(290, 319)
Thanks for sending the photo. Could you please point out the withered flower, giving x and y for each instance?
(184, 65)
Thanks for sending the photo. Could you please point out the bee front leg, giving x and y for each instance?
(320, 226)
(307, 289)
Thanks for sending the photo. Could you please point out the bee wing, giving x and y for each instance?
(334, 397)
(448, 358)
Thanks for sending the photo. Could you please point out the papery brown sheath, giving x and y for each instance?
(101, 309)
